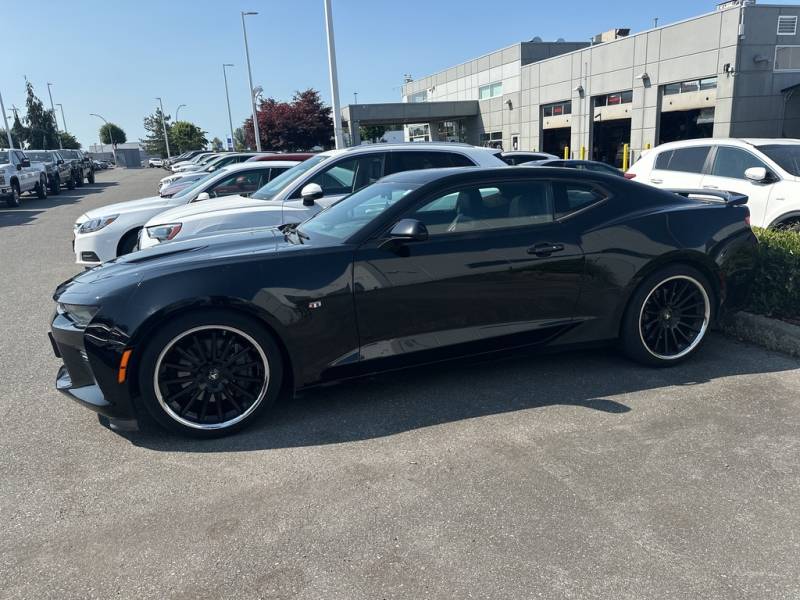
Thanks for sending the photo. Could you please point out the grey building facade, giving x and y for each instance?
(733, 72)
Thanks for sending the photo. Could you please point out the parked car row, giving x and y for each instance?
(41, 171)
(272, 276)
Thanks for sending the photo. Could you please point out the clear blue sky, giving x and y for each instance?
(114, 57)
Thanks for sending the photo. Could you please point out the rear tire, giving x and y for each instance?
(41, 188)
(210, 373)
(668, 317)
(79, 179)
(13, 200)
(55, 189)
(128, 243)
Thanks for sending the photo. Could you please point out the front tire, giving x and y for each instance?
(79, 179)
(90, 177)
(71, 182)
(129, 243)
(210, 373)
(41, 189)
(13, 200)
(668, 317)
(55, 188)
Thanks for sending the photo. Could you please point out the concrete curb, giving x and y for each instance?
(769, 333)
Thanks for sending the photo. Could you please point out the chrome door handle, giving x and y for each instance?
(656, 181)
(545, 249)
(710, 187)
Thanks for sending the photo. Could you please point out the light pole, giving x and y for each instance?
(355, 97)
(5, 120)
(63, 118)
(177, 110)
(337, 117)
(250, 78)
(55, 119)
(110, 135)
(164, 125)
(228, 100)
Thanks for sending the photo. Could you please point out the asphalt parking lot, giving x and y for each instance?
(571, 476)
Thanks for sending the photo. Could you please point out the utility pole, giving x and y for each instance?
(63, 118)
(228, 100)
(5, 120)
(250, 79)
(55, 118)
(355, 97)
(164, 125)
(337, 116)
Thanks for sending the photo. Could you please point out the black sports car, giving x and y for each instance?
(420, 266)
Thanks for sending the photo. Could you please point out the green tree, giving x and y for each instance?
(184, 135)
(373, 133)
(216, 144)
(69, 141)
(154, 142)
(111, 133)
(18, 132)
(42, 132)
(239, 142)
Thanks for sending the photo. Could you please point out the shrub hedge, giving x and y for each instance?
(776, 289)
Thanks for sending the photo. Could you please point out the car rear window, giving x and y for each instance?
(687, 160)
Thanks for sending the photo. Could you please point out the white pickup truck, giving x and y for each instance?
(18, 175)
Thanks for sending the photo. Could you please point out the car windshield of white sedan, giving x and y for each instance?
(269, 191)
(786, 155)
(197, 184)
(347, 216)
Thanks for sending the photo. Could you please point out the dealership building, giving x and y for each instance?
(733, 72)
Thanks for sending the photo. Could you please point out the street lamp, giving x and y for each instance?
(228, 99)
(110, 135)
(63, 118)
(337, 115)
(55, 119)
(177, 110)
(164, 125)
(250, 78)
(5, 120)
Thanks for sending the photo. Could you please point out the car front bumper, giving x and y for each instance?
(92, 249)
(76, 378)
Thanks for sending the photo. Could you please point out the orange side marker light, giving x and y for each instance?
(123, 366)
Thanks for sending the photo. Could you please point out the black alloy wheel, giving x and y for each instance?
(668, 317)
(41, 189)
(209, 374)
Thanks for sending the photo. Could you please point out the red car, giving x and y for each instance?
(277, 156)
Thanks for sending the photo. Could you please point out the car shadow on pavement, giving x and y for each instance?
(393, 403)
(31, 206)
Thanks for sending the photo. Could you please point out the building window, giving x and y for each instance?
(682, 87)
(787, 25)
(420, 96)
(614, 99)
(490, 91)
(787, 58)
(557, 109)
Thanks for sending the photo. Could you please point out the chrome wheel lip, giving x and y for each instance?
(211, 426)
(703, 328)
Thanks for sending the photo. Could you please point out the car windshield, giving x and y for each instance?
(347, 216)
(786, 155)
(194, 187)
(39, 156)
(69, 154)
(269, 191)
(4, 158)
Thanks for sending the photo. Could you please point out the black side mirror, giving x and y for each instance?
(61, 161)
(26, 162)
(406, 230)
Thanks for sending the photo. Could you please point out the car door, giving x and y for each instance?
(728, 165)
(459, 290)
(25, 174)
(681, 168)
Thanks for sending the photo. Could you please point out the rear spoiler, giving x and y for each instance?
(718, 196)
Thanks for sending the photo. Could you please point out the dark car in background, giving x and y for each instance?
(421, 266)
(518, 157)
(59, 172)
(81, 165)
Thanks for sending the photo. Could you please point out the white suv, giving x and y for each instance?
(767, 171)
(113, 230)
(310, 187)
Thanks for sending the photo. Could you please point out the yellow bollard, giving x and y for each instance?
(583, 152)
(647, 146)
(566, 152)
(626, 150)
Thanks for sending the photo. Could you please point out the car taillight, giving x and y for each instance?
(630, 175)
(747, 220)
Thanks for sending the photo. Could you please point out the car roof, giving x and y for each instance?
(420, 146)
(466, 174)
(741, 142)
(247, 166)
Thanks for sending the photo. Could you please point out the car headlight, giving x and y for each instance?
(80, 314)
(164, 233)
(97, 224)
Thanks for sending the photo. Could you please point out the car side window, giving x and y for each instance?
(459, 160)
(486, 207)
(348, 175)
(273, 173)
(733, 162)
(686, 160)
(572, 196)
(414, 160)
(237, 183)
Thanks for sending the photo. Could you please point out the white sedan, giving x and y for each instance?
(311, 186)
(105, 233)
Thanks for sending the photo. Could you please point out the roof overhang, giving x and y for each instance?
(404, 113)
